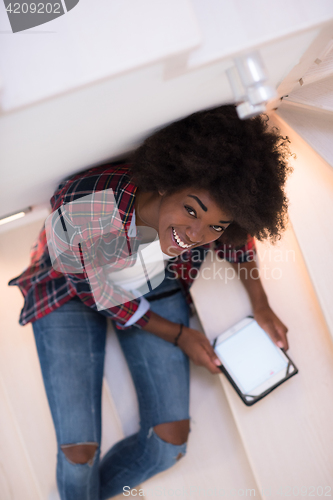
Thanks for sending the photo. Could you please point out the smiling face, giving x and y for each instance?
(189, 218)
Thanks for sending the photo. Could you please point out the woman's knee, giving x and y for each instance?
(173, 432)
(81, 453)
(167, 443)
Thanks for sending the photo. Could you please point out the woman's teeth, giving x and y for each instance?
(179, 241)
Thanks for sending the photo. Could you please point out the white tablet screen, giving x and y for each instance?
(250, 357)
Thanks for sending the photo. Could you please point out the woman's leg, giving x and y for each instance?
(71, 345)
(160, 373)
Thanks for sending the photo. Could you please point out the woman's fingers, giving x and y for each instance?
(282, 331)
(278, 333)
(197, 347)
(207, 361)
(214, 360)
(211, 361)
(269, 322)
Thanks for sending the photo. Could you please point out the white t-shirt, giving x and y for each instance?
(150, 264)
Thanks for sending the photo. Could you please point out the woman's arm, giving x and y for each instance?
(192, 342)
(263, 314)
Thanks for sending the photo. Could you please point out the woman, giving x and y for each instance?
(206, 179)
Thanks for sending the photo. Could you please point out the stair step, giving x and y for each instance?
(287, 435)
(215, 459)
(310, 189)
(27, 434)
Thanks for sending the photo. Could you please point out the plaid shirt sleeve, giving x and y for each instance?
(101, 220)
(76, 248)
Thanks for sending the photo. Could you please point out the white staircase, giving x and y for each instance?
(306, 115)
(287, 436)
(282, 442)
(88, 114)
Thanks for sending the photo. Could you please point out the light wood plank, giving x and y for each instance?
(216, 464)
(14, 459)
(19, 362)
(215, 459)
(31, 448)
(288, 434)
(310, 189)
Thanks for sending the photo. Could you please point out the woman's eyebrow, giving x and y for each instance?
(199, 201)
(205, 208)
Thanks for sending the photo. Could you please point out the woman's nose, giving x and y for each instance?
(195, 234)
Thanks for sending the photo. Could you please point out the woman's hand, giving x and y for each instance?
(192, 342)
(197, 347)
(269, 322)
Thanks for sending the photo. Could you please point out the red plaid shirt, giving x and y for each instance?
(45, 287)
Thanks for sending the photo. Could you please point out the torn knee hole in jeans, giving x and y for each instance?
(80, 453)
(175, 432)
(150, 432)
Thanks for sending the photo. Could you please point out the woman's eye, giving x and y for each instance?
(218, 228)
(191, 211)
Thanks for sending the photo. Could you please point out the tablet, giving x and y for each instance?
(251, 361)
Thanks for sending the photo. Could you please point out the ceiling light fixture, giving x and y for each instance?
(11, 217)
(247, 78)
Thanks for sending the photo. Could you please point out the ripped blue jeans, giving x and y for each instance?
(71, 346)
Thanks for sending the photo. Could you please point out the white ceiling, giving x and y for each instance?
(103, 79)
